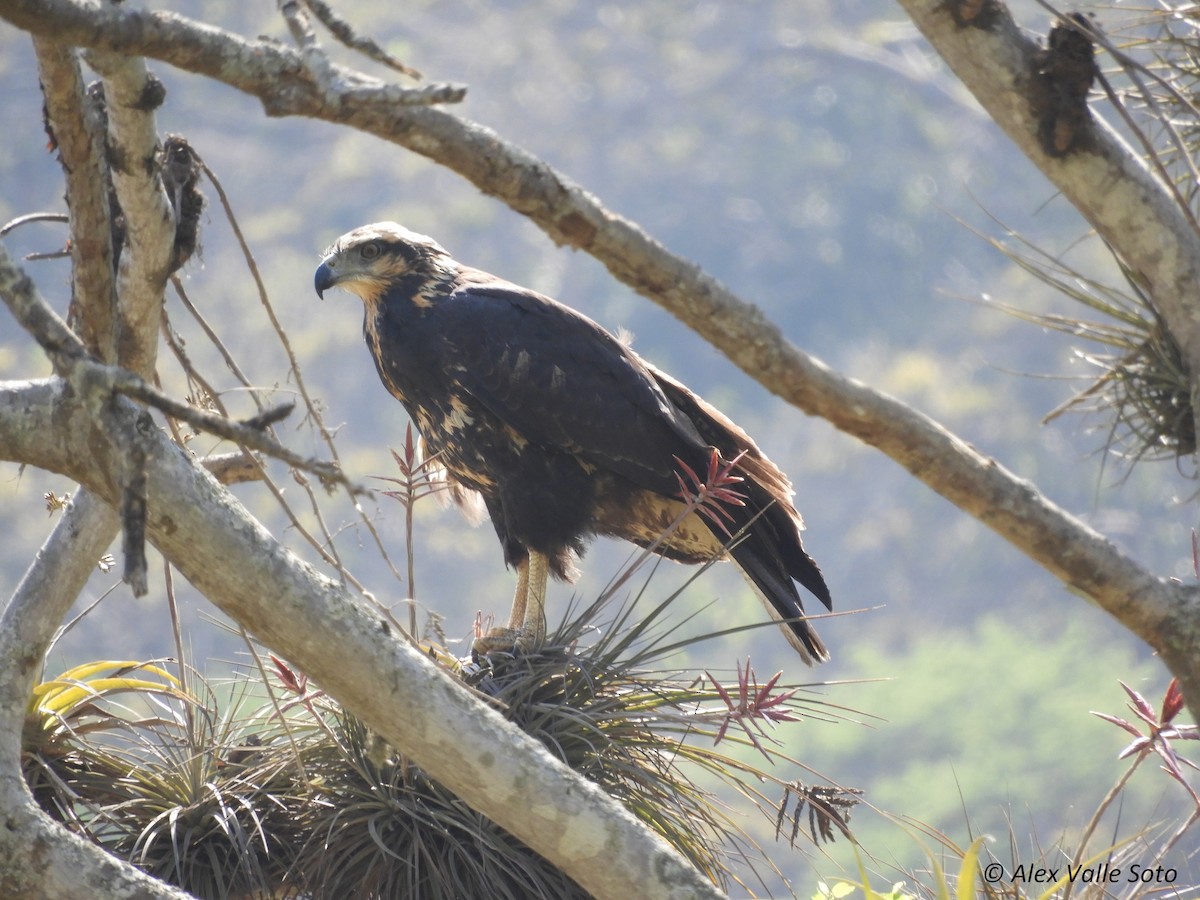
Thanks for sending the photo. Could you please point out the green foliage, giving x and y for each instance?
(938, 885)
(836, 891)
(988, 728)
(161, 777)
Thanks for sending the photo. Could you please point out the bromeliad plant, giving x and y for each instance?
(284, 793)
(68, 764)
(1139, 389)
(153, 771)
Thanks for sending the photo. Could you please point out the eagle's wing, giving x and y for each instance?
(562, 381)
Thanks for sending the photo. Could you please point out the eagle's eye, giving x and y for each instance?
(370, 250)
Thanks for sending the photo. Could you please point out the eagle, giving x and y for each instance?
(564, 431)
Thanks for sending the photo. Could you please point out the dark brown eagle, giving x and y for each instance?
(562, 429)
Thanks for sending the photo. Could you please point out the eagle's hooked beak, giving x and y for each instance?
(325, 277)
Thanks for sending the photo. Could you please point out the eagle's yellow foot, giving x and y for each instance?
(526, 631)
(509, 640)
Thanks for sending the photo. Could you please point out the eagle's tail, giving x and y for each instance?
(772, 581)
(763, 538)
(768, 549)
(767, 546)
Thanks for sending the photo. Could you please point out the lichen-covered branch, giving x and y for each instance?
(41, 860)
(60, 570)
(131, 94)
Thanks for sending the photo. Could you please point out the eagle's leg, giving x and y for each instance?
(533, 629)
(526, 629)
(516, 618)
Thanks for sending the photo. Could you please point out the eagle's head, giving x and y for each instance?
(370, 259)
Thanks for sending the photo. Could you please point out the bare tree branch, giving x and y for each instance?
(79, 136)
(97, 383)
(62, 567)
(87, 526)
(344, 32)
(41, 860)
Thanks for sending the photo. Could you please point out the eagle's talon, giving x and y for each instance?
(512, 641)
(497, 640)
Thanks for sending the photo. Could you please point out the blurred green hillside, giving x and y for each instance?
(818, 159)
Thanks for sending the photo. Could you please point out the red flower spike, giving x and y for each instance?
(419, 473)
(1172, 700)
(708, 496)
(296, 682)
(754, 705)
(1159, 735)
(764, 700)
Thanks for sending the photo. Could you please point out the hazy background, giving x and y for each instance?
(817, 159)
